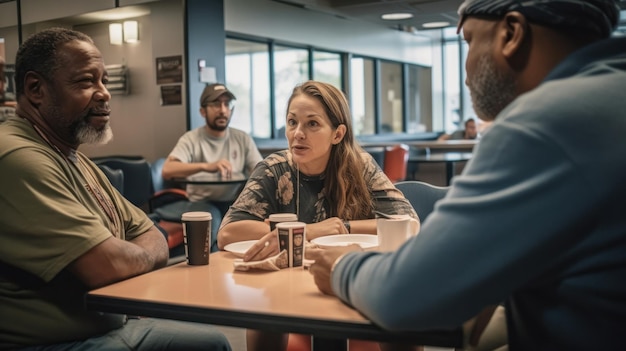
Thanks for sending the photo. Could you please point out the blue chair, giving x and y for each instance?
(422, 196)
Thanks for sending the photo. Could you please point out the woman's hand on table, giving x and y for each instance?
(325, 260)
(266, 246)
(329, 226)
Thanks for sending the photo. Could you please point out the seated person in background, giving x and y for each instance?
(64, 230)
(537, 219)
(469, 133)
(324, 177)
(214, 148)
(7, 109)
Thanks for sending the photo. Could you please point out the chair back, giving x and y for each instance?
(395, 162)
(115, 176)
(137, 177)
(422, 196)
(158, 183)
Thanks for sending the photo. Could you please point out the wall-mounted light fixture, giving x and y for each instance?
(126, 33)
(115, 33)
(131, 31)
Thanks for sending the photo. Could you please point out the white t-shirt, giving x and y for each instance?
(198, 146)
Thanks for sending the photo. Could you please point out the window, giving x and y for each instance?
(247, 76)
(327, 67)
(456, 97)
(362, 96)
(452, 90)
(419, 99)
(291, 67)
(384, 96)
(391, 99)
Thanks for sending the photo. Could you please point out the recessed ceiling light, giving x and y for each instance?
(435, 24)
(397, 16)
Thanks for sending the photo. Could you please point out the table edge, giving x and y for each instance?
(277, 323)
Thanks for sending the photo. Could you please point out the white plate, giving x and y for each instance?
(239, 248)
(366, 241)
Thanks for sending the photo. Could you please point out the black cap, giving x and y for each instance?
(598, 17)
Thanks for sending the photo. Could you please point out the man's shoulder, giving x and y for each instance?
(192, 135)
(238, 132)
(15, 136)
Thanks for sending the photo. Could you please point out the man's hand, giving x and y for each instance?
(223, 167)
(324, 261)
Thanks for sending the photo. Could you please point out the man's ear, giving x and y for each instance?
(516, 32)
(203, 112)
(34, 88)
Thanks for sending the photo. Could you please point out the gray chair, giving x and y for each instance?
(422, 195)
(137, 177)
(115, 176)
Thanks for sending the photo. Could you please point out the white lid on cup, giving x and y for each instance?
(197, 216)
(283, 217)
(289, 225)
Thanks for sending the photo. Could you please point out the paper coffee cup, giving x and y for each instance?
(291, 237)
(281, 217)
(197, 237)
(393, 232)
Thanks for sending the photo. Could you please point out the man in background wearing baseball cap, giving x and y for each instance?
(213, 148)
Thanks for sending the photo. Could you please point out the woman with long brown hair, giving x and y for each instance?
(324, 177)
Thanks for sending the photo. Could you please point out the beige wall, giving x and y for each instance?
(141, 126)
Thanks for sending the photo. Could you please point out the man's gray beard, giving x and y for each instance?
(87, 134)
(491, 91)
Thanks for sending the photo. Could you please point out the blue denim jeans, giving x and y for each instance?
(149, 334)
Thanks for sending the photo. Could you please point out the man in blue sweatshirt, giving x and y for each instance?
(537, 219)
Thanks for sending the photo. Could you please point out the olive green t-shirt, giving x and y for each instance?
(48, 219)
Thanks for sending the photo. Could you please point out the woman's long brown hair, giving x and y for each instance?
(344, 184)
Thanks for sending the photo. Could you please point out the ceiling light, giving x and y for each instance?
(397, 16)
(435, 24)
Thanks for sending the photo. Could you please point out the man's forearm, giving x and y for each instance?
(155, 246)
